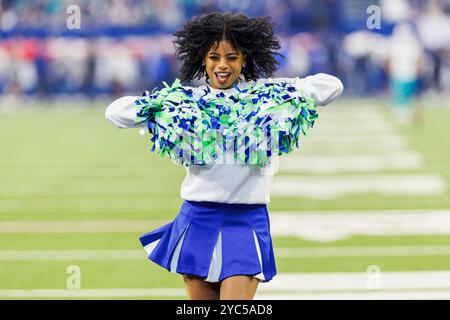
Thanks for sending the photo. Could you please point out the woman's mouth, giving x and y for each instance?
(222, 77)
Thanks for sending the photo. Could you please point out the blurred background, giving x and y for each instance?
(361, 211)
(126, 46)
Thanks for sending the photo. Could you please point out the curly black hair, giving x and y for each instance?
(254, 37)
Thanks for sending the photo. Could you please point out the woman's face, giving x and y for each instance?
(223, 65)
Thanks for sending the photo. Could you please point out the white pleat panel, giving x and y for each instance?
(176, 252)
(151, 246)
(215, 267)
(259, 276)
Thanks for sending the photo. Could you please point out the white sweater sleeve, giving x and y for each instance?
(321, 87)
(122, 113)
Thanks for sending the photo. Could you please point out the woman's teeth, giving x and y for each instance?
(222, 77)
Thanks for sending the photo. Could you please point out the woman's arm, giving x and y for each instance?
(122, 113)
(321, 87)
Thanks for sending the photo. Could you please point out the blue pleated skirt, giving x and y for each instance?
(215, 241)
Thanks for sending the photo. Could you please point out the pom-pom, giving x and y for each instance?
(255, 122)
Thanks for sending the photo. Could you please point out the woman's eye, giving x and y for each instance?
(217, 58)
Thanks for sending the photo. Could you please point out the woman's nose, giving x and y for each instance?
(222, 65)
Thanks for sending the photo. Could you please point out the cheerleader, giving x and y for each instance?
(227, 134)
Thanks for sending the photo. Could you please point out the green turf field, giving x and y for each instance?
(72, 165)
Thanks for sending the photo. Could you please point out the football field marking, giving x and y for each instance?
(84, 226)
(392, 285)
(374, 146)
(331, 226)
(281, 252)
(350, 163)
(331, 187)
(312, 225)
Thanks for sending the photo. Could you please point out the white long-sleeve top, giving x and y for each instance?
(226, 181)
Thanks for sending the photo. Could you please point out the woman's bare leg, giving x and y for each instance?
(199, 289)
(238, 288)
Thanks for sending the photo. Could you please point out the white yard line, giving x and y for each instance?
(86, 226)
(281, 252)
(56, 255)
(367, 251)
(308, 144)
(357, 138)
(383, 285)
(326, 149)
(352, 130)
(323, 130)
(312, 225)
(331, 187)
(340, 125)
(181, 293)
(341, 281)
(346, 127)
(366, 295)
(321, 226)
(350, 163)
(92, 293)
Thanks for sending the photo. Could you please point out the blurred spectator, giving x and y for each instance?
(396, 10)
(126, 45)
(363, 67)
(405, 56)
(434, 30)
